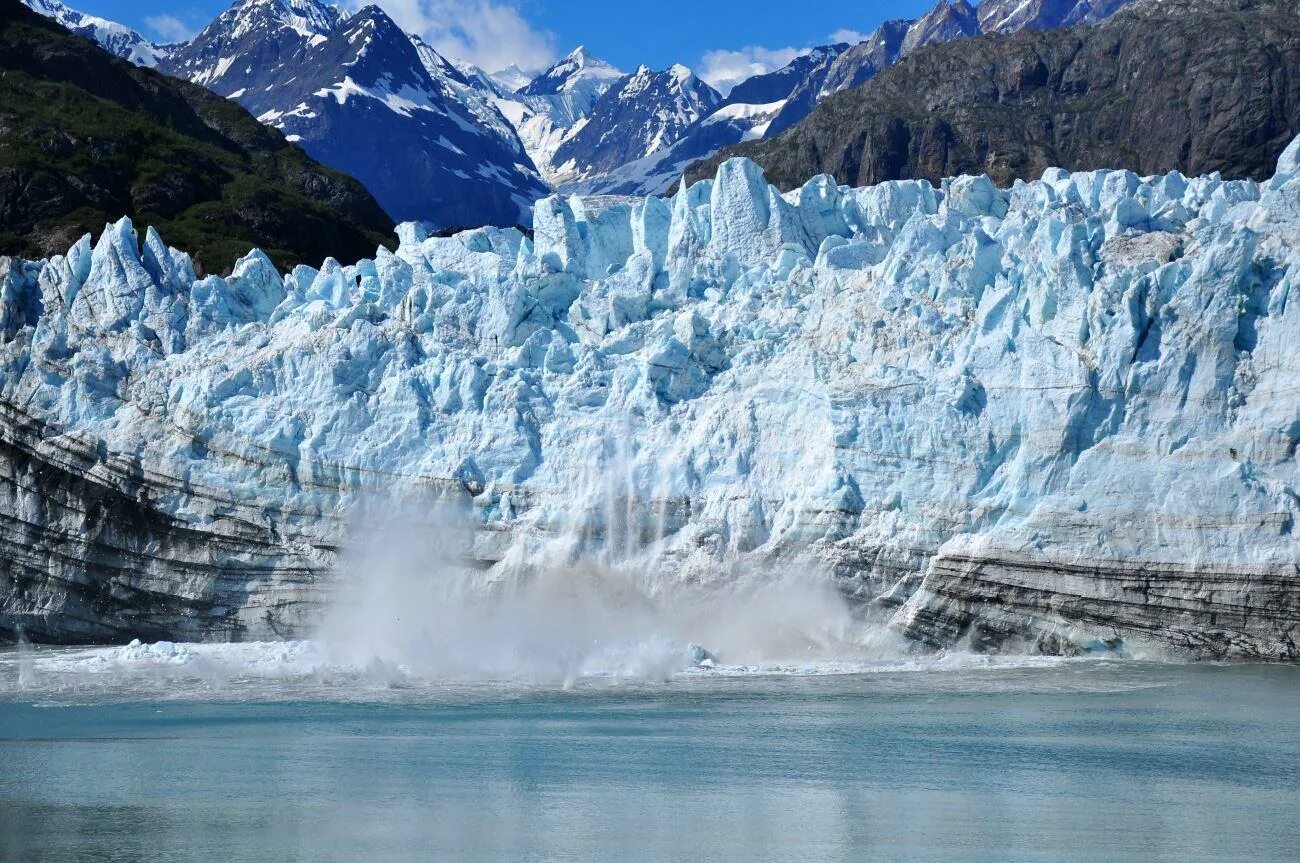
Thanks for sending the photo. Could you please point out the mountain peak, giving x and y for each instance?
(948, 20)
(641, 114)
(375, 16)
(577, 65)
(680, 73)
(511, 79)
(307, 17)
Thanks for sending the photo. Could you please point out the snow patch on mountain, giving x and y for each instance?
(359, 94)
(117, 39)
(638, 116)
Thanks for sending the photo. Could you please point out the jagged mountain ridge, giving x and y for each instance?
(86, 137)
(1217, 78)
(638, 116)
(745, 115)
(547, 109)
(811, 78)
(638, 145)
(357, 93)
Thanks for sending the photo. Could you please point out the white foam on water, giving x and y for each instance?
(310, 660)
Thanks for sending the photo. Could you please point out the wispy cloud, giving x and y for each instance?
(725, 69)
(170, 28)
(491, 34)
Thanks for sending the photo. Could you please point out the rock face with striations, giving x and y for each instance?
(1042, 417)
(1198, 85)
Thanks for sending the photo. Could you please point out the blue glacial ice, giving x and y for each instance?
(991, 411)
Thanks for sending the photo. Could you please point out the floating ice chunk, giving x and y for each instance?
(701, 657)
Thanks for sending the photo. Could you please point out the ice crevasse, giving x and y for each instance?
(1065, 410)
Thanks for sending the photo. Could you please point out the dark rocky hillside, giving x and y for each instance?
(1194, 85)
(86, 138)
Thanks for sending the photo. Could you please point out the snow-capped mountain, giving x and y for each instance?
(767, 105)
(547, 110)
(252, 44)
(745, 115)
(115, 38)
(948, 20)
(581, 78)
(779, 85)
(1008, 16)
(441, 140)
(879, 51)
(643, 113)
(510, 79)
(361, 95)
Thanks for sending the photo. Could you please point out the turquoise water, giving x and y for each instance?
(1071, 761)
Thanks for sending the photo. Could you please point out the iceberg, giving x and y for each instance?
(1046, 417)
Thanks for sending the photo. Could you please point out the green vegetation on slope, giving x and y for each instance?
(86, 138)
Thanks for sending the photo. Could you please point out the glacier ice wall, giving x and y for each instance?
(1063, 411)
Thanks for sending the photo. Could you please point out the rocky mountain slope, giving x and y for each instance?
(356, 93)
(769, 104)
(640, 115)
(86, 137)
(1047, 418)
(549, 108)
(1199, 85)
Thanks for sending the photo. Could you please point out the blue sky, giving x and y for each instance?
(721, 38)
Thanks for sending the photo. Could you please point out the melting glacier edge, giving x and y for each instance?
(1039, 416)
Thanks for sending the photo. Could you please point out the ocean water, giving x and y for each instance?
(256, 753)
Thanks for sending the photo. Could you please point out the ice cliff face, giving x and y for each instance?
(1041, 416)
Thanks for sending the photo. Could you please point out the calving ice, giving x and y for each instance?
(1044, 417)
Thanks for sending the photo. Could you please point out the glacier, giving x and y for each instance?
(1035, 419)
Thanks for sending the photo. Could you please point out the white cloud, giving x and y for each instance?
(853, 37)
(170, 28)
(491, 34)
(725, 69)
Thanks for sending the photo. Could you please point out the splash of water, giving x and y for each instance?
(26, 665)
(589, 592)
